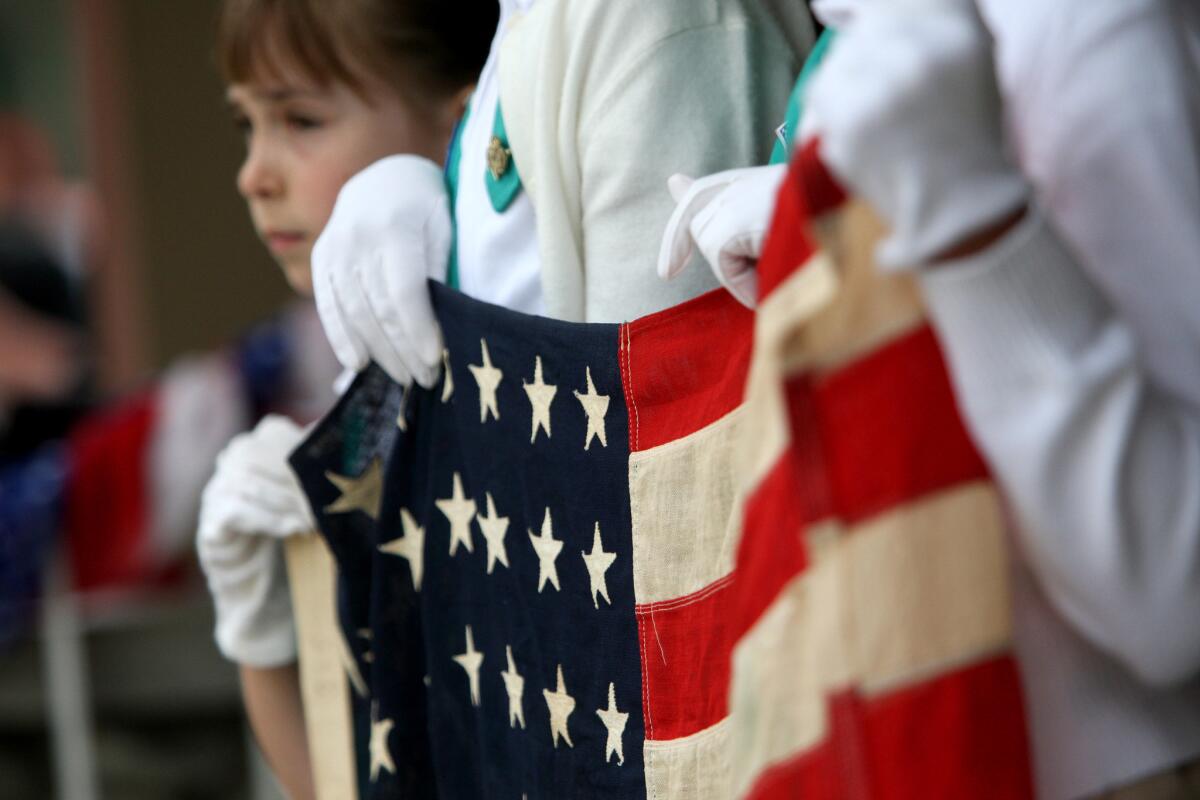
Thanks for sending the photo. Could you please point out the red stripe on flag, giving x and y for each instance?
(959, 735)
(685, 647)
(820, 190)
(962, 735)
(833, 770)
(789, 244)
(678, 376)
(775, 513)
(892, 430)
(872, 436)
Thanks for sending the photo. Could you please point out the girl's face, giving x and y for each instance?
(303, 141)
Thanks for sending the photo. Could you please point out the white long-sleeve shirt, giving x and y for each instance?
(498, 259)
(1075, 348)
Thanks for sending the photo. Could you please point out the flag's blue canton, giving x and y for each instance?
(448, 714)
(359, 431)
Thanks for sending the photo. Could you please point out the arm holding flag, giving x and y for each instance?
(1098, 455)
(1063, 318)
(908, 114)
(250, 505)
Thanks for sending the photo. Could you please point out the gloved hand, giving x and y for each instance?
(909, 118)
(726, 215)
(836, 14)
(389, 231)
(252, 502)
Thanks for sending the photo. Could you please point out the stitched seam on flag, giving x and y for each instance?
(630, 395)
(625, 345)
(646, 687)
(687, 440)
(691, 599)
(637, 417)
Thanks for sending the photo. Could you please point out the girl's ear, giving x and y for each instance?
(453, 107)
(449, 112)
(461, 98)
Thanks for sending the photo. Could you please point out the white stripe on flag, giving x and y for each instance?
(887, 603)
(696, 767)
(684, 512)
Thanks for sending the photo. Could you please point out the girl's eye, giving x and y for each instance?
(302, 122)
(243, 124)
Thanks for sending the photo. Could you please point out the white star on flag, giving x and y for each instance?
(488, 378)
(402, 413)
(459, 511)
(494, 530)
(471, 661)
(614, 721)
(561, 705)
(547, 549)
(447, 377)
(540, 396)
(362, 493)
(596, 407)
(597, 563)
(514, 685)
(410, 546)
(381, 757)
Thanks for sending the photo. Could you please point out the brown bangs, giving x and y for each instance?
(260, 39)
(425, 49)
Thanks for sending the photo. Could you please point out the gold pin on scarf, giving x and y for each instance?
(498, 158)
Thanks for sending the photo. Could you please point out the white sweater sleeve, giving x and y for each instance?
(605, 99)
(664, 111)
(698, 101)
(1102, 467)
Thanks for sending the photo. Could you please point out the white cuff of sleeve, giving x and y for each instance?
(255, 625)
(1020, 309)
(962, 207)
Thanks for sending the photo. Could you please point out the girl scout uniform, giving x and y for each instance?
(558, 173)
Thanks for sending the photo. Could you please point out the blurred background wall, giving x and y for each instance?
(129, 94)
(38, 72)
(118, 691)
(204, 275)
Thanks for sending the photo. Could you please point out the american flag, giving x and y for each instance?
(874, 655)
(698, 555)
(532, 555)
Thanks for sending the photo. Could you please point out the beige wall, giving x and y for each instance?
(130, 94)
(205, 276)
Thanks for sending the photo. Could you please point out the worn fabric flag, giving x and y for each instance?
(532, 554)
(538, 591)
(873, 655)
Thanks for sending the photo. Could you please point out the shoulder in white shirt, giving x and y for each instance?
(1075, 348)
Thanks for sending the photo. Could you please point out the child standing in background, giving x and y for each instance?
(321, 90)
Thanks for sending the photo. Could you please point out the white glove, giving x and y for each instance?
(909, 116)
(389, 231)
(252, 502)
(726, 215)
(836, 14)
